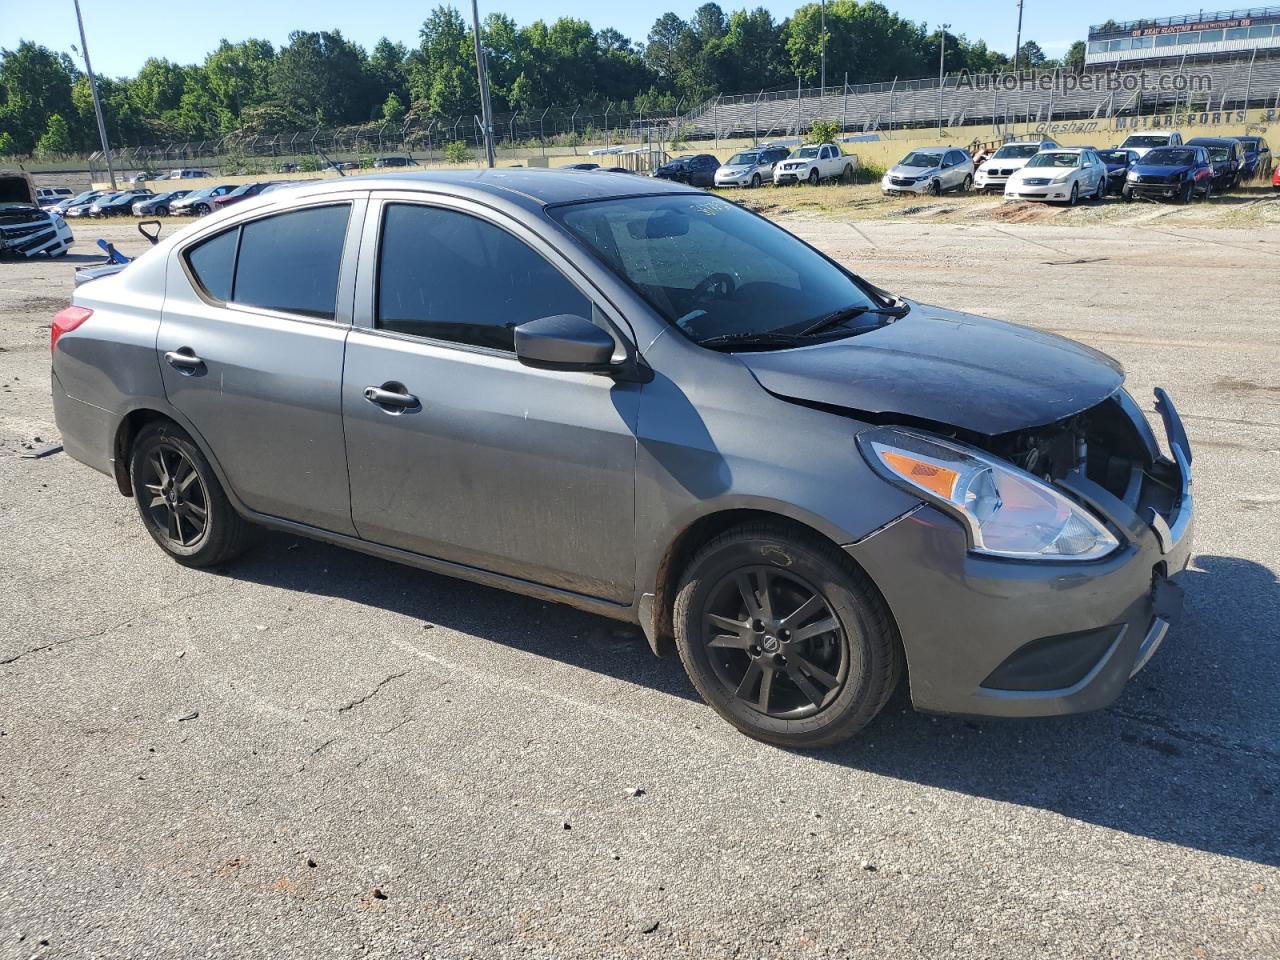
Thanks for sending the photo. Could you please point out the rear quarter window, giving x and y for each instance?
(212, 264)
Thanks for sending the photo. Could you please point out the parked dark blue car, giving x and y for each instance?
(1257, 157)
(1172, 172)
(1226, 155)
(1117, 162)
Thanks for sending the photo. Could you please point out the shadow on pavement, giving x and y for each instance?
(1189, 755)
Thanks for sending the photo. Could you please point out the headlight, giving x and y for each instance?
(1131, 175)
(1008, 512)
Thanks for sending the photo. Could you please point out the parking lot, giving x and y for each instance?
(314, 753)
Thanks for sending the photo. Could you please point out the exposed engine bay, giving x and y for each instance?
(25, 229)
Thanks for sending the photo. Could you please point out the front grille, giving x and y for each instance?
(901, 182)
(1036, 181)
(13, 233)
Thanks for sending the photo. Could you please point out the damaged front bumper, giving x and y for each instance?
(1019, 639)
(34, 235)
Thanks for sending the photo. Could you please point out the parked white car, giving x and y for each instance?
(1142, 143)
(1067, 174)
(26, 230)
(750, 168)
(932, 170)
(47, 196)
(814, 162)
(995, 173)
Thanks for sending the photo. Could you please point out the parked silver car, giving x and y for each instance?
(750, 168)
(932, 170)
(650, 403)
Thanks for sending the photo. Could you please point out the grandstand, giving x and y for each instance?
(1203, 85)
(1249, 33)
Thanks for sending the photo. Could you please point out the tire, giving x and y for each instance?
(755, 180)
(1126, 194)
(1101, 193)
(1075, 195)
(967, 185)
(1184, 195)
(935, 188)
(164, 450)
(1208, 192)
(846, 174)
(846, 672)
(162, 211)
(813, 177)
(202, 209)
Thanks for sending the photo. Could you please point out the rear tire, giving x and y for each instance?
(181, 502)
(967, 185)
(776, 672)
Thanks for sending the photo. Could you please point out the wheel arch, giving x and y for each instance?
(656, 607)
(132, 423)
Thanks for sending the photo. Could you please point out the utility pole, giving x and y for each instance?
(97, 104)
(822, 83)
(942, 59)
(1017, 42)
(482, 73)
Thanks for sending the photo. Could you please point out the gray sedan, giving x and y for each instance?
(653, 405)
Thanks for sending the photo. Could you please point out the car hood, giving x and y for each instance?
(904, 172)
(736, 168)
(979, 374)
(1013, 163)
(1159, 169)
(17, 186)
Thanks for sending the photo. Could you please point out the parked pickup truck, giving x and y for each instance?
(814, 162)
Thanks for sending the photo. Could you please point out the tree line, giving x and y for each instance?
(322, 78)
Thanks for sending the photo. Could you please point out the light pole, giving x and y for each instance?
(486, 117)
(1017, 40)
(942, 59)
(822, 83)
(97, 104)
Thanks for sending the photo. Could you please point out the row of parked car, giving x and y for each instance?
(1145, 165)
(810, 163)
(142, 202)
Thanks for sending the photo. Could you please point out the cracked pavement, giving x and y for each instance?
(312, 753)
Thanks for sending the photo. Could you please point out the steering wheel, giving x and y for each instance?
(717, 286)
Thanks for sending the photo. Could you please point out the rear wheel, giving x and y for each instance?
(785, 637)
(967, 185)
(847, 174)
(1101, 193)
(180, 500)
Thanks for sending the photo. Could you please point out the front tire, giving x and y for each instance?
(813, 177)
(755, 180)
(202, 209)
(162, 211)
(180, 500)
(1075, 195)
(785, 637)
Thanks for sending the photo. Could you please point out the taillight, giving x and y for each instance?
(65, 321)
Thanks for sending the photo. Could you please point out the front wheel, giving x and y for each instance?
(202, 209)
(1075, 195)
(935, 188)
(1184, 195)
(1126, 194)
(813, 177)
(785, 637)
(162, 211)
(1208, 192)
(755, 180)
(180, 500)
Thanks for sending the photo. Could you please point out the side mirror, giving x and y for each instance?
(564, 342)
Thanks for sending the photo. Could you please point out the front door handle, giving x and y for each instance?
(184, 360)
(396, 399)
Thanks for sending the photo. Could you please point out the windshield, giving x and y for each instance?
(918, 158)
(744, 159)
(1016, 151)
(1054, 160)
(1113, 156)
(806, 153)
(710, 267)
(1170, 157)
(82, 197)
(1145, 142)
(1218, 154)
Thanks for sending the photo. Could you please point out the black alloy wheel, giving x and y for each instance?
(775, 643)
(174, 496)
(180, 500)
(784, 636)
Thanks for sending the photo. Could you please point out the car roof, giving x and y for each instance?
(528, 186)
(1210, 141)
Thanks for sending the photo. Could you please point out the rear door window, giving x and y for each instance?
(213, 264)
(288, 262)
(447, 275)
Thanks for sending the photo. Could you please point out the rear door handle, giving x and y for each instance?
(184, 360)
(396, 399)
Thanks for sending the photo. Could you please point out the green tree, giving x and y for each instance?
(158, 87)
(1073, 59)
(392, 109)
(35, 83)
(823, 131)
(1030, 55)
(56, 141)
(322, 76)
(456, 152)
(8, 146)
(239, 75)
